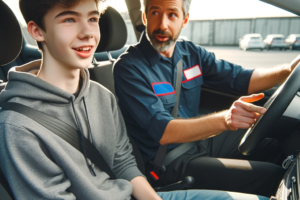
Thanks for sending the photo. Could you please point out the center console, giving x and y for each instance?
(289, 187)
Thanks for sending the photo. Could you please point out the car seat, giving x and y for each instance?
(11, 41)
(113, 37)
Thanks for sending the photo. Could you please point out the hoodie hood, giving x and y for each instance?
(23, 83)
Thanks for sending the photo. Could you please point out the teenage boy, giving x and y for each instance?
(145, 78)
(41, 165)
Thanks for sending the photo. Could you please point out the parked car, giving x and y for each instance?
(293, 41)
(251, 41)
(275, 41)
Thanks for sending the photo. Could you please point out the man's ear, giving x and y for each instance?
(186, 20)
(35, 31)
(144, 19)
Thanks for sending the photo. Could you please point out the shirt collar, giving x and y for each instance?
(153, 56)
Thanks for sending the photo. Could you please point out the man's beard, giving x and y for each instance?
(158, 45)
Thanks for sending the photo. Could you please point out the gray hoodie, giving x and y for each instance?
(40, 165)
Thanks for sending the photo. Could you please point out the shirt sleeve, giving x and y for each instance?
(223, 75)
(125, 166)
(138, 103)
(32, 172)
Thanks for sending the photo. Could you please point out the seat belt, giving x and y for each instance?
(162, 159)
(63, 130)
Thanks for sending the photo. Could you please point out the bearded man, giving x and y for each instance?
(145, 78)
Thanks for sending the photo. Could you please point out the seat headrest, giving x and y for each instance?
(113, 31)
(11, 38)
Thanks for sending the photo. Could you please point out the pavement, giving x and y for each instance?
(253, 58)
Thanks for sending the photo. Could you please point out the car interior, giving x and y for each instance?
(282, 121)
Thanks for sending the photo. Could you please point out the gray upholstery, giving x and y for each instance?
(113, 31)
(11, 41)
(10, 35)
(102, 73)
(113, 37)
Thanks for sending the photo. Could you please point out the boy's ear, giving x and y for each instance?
(35, 31)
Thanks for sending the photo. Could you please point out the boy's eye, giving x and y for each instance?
(70, 20)
(94, 19)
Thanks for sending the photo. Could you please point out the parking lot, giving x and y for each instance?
(253, 58)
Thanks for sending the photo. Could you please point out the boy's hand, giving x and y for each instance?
(242, 114)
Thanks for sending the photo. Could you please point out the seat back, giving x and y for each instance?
(10, 48)
(113, 37)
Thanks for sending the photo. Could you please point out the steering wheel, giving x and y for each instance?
(276, 105)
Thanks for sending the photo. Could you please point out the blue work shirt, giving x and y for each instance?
(145, 86)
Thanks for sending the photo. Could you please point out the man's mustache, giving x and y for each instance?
(161, 32)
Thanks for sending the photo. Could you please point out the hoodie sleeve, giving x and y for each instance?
(29, 167)
(124, 166)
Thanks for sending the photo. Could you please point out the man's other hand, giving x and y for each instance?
(242, 114)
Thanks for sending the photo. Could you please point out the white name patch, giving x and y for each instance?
(192, 73)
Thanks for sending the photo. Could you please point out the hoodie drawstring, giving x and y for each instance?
(81, 136)
(88, 122)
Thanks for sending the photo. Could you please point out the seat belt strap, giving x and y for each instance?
(162, 159)
(163, 149)
(178, 151)
(177, 87)
(63, 130)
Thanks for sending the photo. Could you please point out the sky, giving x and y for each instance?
(208, 9)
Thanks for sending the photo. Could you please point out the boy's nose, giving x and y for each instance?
(86, 35)
(86, 32)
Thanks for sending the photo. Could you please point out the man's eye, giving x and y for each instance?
(154, 13)
(69, 20)
(172, 15)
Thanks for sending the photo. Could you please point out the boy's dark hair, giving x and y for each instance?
(35, 10)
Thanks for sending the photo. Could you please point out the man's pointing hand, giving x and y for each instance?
(242, 114)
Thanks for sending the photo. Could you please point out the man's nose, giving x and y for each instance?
(163, 22)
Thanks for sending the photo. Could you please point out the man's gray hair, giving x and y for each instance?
(186, 6)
